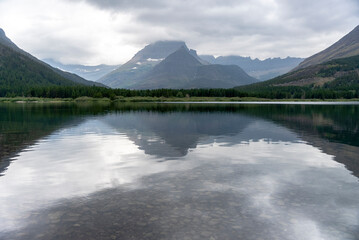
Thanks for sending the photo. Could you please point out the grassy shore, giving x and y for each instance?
(163, 99)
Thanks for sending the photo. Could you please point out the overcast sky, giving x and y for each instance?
(112, 31)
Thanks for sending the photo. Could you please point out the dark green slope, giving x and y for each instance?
(19, 71)
(6, 42)
(339, 74)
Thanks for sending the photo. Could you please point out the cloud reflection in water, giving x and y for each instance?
(278, 180)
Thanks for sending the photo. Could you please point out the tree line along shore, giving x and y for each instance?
(86, 93)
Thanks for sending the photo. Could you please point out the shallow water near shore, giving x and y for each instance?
(179, 171)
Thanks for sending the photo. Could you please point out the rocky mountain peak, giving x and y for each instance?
(158, 50)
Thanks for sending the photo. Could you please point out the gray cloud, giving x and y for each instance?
(256, 28)
(127, 4)
(297, 26)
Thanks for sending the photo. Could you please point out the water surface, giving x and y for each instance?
(179, 171)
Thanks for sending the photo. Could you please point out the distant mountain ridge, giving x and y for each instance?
(260, 69)
(171, 64)
(5, 42)
(347, 46)
(92, 73)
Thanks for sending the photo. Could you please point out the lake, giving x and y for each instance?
(179, 171)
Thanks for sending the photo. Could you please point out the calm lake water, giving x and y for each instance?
(179, 171)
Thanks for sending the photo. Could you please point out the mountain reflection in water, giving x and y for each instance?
(163, 171)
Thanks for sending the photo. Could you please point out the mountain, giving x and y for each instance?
(330, 70)
(132, 72)
(19, 71)
(194, 54)
(4, 40)
(182, 69)
(347, 46)
(17, 61)
(260, 69)
(338, 74)
(170, 64)
(177, 68)
(92, 73)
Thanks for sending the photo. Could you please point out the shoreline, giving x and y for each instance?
(244, 100)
